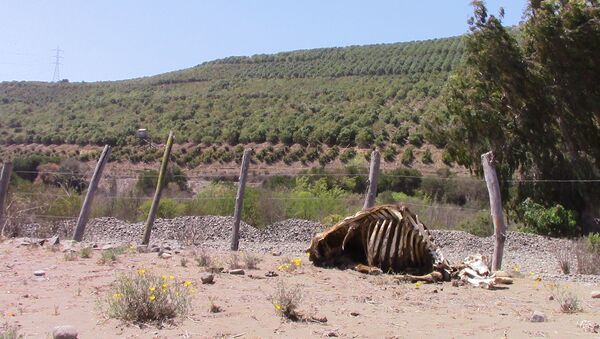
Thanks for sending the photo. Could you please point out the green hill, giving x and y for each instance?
(358, 95)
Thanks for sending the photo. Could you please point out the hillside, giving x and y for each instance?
(357, 95)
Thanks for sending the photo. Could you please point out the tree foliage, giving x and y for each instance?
(532, 97)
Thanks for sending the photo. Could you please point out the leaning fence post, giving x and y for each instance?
(239, 200)
(491, 180)
(157, 193)
(84, 214)
(373, 177)
(4, 181)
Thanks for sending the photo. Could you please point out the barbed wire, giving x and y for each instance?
(233, 175)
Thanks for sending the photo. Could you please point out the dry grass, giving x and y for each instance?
(568, 301)
(286, 301)
(251, 260)
(588, 256)
(143, 297)
(70, 256)
(203, 259)
(234, 262)
(563, 259)
(86, 252)
(9, 332)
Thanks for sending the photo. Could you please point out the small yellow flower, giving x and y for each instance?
(164, 277)
(141, 271)
(171, 277)
(164, 286)
(297, 262)
(531, 273)
(277, 307)
(117, 295)
(177, 293)
(151, 288)
(418, 283)
(187, 283)
(517, 268)
(152, 297)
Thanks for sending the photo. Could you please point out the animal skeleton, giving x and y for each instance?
(388, 237)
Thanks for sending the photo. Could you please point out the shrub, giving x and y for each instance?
(347, 155)
(85, 252)
(408, 156)
(286, 301)
(203, 259)
(480, 224)
(405, 180)
(416, 139)
(110, 255)
(569, 301)
(587, 253)
(251, 260)
(563, 258)
(427, 157)
(167, 209)
(143, 297)
(389, 154)
(554, 221)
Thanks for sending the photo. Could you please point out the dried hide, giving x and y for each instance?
(387, 237)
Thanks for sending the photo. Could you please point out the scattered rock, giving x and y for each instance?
(39, 273)
(537, 317)
(65, 332)
(596, 294)
(207, 278)
(238, 271)
(271, 274)
(354, 314)
(166, 255)
(589, 326)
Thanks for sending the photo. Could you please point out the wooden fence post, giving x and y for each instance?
(158, 192)
(491, 180)
(239, 200)
(84, 214)
(373, 177)
(4, 181)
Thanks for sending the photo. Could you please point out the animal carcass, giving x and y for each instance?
(388, 237)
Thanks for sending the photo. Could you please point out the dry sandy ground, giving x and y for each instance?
(354, 304)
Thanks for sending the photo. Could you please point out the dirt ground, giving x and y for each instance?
(355, 305)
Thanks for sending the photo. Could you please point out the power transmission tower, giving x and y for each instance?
(57, 63)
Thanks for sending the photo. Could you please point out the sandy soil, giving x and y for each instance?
(355, 305)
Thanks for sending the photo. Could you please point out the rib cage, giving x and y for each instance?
(389, 237)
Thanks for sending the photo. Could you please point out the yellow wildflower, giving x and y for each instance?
(418, 283)
(152, 297)
(187, 283)
(141, 271)
(171, 277)
(297, 262)
(117, 295)
(531, 273)
(164, 277)
(164, 286)
(278, 307)
(151, 288)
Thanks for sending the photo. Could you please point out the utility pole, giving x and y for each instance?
(57, 63)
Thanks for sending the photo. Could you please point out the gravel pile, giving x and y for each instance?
(525, 252)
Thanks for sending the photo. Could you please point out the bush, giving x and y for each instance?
(167, 209)
(405, 180)
(286, 301)
(587, 253)
(554, 221)
(143, 297)
(480, 224)
(427, 157)
(408, 156)
(347, 155)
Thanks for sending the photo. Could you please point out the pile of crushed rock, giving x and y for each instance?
(526, 253)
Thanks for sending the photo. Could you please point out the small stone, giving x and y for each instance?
(589, 326)
(39, 273)
(155, 249)
(354, 314)
(551, 298)
(271, 274)
(238, 271)
(596, 294)
(502, 274)
(207, 278)
(166, 255)
(537, 317)
(276, 253)
(65, 332)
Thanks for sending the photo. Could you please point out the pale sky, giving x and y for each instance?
(122, 39)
